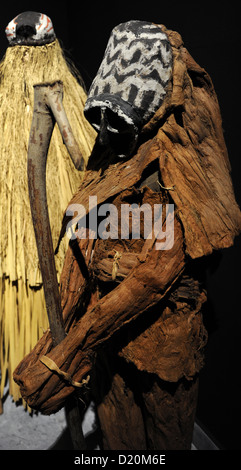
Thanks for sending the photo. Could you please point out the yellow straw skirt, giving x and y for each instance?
(23, 318)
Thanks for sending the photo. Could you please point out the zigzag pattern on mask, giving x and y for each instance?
(137, 66)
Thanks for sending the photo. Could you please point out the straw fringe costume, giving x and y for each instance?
(22, 308)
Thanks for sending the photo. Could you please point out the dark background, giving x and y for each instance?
(211, 33)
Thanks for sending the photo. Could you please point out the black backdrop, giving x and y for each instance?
(211, 32)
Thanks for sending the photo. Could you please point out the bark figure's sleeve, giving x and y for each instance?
(146, 285)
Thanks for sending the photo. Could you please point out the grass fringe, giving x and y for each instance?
(22, 308)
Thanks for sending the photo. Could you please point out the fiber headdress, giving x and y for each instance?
(34, 55)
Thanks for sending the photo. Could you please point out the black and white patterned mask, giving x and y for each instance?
(130, 84)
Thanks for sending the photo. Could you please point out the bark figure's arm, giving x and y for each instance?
(145, 286)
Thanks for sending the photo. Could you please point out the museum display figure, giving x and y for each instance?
(132, 306)
(33, 55)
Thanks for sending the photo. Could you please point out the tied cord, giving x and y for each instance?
(54, 368)
(115, 266)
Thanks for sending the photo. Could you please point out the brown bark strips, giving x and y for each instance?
(189, 147)
(141, 290)
(139, 411)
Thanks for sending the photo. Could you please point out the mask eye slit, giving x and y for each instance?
(116, 124)
(94, 117)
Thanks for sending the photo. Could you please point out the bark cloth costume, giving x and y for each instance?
(133, 313)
